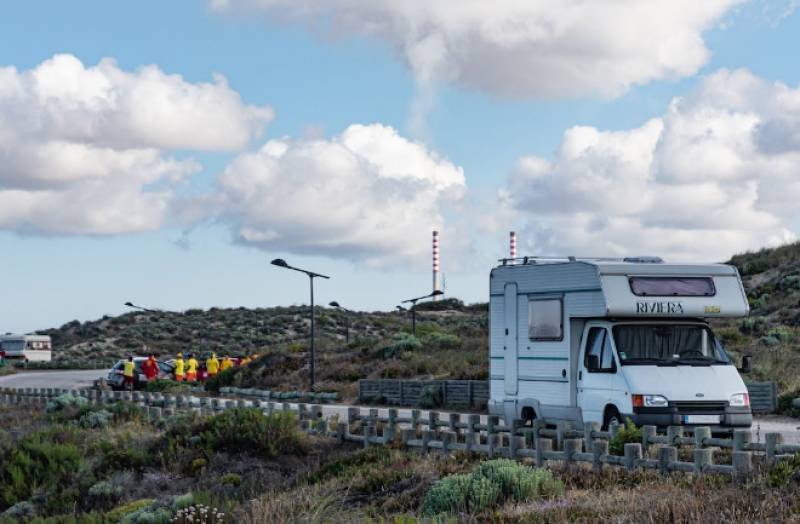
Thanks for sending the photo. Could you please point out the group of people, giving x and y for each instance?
(185, 370)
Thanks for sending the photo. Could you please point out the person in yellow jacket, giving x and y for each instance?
(179, 367)
(246, 360)
(128, 371)
(212, 366)
(191, 369)
(227, 363)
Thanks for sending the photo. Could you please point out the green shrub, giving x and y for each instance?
(430, 397)
(400, 344)
(492, 482)
(103, 495)
(95, 419)
(784, 472)
(449, 495)
(117, 514)
(441, 341)
(627, 434)
(40, 463)
(244, 430)
(66, 401)
(231, 479)
(167, 386)
(223, 379)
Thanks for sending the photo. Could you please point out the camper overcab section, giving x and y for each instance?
(33, 348)
(602, 340)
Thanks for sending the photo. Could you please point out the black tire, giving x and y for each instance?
(611, 415)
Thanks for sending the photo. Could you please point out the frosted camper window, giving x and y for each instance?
(672, 286)
(545, 319)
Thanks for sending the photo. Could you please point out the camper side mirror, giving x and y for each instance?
(593, 362)
(747, 364)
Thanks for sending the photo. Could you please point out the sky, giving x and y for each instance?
(164, 152)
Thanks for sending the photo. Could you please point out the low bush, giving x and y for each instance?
(130, 508)
(784, 472)
(627, 434)
(167, 386)
(441, 341)
(66, 402)
(103, 495)
(430, 397)
(244, 430)
(223, 379)
(401, 343)
(491, 483)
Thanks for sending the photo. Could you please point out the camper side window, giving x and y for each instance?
(545, 319)
(599, 357)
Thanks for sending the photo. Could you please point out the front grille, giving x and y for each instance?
(699, 407)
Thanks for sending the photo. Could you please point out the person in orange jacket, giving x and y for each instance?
(191, 369)
(150, 368)
(179, 368)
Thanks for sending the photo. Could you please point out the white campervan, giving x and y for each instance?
(33, 348)
(604, 340)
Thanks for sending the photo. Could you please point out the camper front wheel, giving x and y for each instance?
(528, 414)
(611, 416)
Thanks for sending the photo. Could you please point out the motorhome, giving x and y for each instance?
(33, 348)
(606, 340)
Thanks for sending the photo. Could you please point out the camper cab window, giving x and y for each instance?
(545, 319)
(599, 356)
(672, 286)
(668, 345)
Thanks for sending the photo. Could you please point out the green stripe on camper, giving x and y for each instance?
(533, 358)
(526, 378)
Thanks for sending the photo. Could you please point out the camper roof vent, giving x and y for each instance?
(643, 260)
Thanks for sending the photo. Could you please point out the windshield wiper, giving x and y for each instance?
(649, 360)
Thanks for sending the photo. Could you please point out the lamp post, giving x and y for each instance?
(346, 312)
(134, 306)
(311, 276)
(413, 308)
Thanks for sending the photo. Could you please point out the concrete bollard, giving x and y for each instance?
(571, 447)
(427, 436)
(433, 420)
(447, 440)
(407, 434)
(352, 415)
(771, 443)
(673, 434)
(741, 439)
(648, 436)
(633, 454)
(599, 452)
(742, 464)
(453, 420)
(341, 432)
(515, 443)
(543, 445)
(700, 436)
(415, 414)
(666, 456)
(702, 459)
(589, 428)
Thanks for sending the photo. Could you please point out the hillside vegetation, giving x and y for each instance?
(451, 341)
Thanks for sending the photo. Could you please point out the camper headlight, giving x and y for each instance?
(740, 400)
(650, 401)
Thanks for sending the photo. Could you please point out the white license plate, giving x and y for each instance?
(701, 419)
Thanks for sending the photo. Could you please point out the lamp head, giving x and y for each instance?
(334, 304)
(129, 304)
(279, 262)
(437, 292)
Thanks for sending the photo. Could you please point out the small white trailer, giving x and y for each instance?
(33, 348)
(605, 340)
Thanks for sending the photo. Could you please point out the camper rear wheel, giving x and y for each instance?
(611, 416)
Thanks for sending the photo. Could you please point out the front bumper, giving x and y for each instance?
(730, 418)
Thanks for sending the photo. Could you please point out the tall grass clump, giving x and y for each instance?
(490, 484)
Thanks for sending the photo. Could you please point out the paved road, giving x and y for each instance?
(788, 427)
(52, 379)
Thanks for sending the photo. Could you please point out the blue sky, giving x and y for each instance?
(317, 87)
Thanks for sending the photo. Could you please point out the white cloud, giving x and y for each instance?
(367, 194)
(521, 48)
(709, 178)
(85, 150)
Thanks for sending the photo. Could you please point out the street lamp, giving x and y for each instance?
(134, 306)
(336, 305)
(311, 276)
(413, 308)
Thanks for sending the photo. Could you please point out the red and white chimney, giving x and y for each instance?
(512, 247)
(437, 276)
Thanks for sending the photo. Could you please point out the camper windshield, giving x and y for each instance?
(669, 345)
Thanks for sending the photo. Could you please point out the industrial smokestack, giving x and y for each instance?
(437, 279)
(512, 248)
